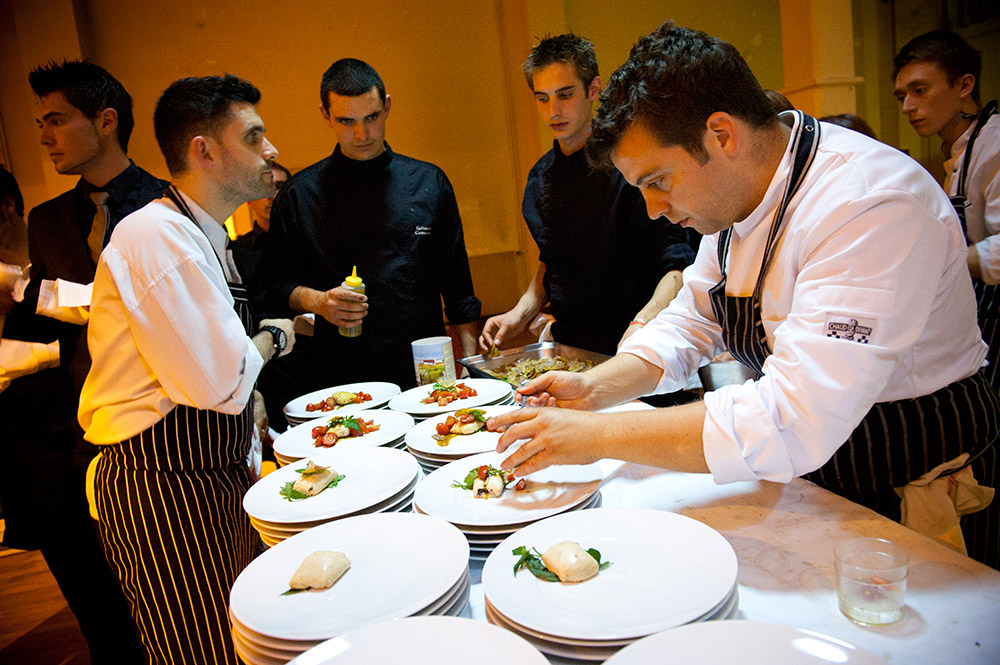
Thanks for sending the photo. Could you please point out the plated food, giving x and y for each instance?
(313, 479)
(486, 480)
(338, 400)
(487, 391)
(563, 562)
(380, 391)
(462, 423)
(342, 427)
(320, 570)
(442, 394)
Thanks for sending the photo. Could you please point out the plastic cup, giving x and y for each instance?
(434, 360)
(871, 580)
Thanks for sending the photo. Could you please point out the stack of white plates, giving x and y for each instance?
(425, 641)
(433, 455)
(666, 570)
(401, 565)
(376, 480)
(297, 442)
(726, 642)
(381, 392)
(487, 522)
(488, 392)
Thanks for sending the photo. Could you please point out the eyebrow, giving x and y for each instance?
(51, 114)
(645, 176)
(555, 92)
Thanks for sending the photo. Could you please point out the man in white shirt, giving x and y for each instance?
(831, 266)
(168, 397)
(937, 84)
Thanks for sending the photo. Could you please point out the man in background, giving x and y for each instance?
(605, 267)
(85, 118)
(392, 216)
(937, 85)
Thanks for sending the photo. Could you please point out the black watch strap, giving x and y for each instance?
(278, 338)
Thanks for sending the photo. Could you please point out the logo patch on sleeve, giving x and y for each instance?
(847, 328)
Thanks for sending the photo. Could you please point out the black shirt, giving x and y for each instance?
(603, 256)
(396, 219)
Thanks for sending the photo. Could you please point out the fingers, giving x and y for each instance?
(523, 464)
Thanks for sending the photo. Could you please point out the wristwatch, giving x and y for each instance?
(278, 339)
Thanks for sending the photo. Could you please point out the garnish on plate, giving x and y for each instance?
(487, 480)
(563, 562)
(462, 422)
(442, 394)
(342, 427)
(319, 570)
(312, 480)
(338, 400)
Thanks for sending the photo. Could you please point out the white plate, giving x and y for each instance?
(488, 391)
(726, 642)
(400, 563)
(297, 442)
(666, 570)
(380, 391)
(505, 530)
(425, 641)
(550, 491)
(371, 475)
(420, 438)
(597, 654)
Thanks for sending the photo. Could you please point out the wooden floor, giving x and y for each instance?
(36, 625)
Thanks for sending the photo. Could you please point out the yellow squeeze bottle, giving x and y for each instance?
(354, 283)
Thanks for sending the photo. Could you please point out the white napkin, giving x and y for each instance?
(932, 504)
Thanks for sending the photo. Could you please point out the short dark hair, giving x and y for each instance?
(193, 106)
(778, 101)
(850, 121)
(89, 88)
(349, 77)
(8, 187)
(673, 80)
(952, 54)
(569, 49)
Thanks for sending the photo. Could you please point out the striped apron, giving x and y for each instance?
(173, 526)
(987, 295)
(896, 442)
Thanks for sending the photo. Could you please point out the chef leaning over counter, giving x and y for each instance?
(832, 265)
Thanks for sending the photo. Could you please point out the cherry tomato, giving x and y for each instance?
(521, 484)
(510, 477)
(310, 407)
(466, 418)
(319, 430)
(484, 471)
(442, 429)
(329, 439)
(451, 421)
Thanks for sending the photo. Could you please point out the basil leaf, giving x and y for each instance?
(538, 569)
(352, 423)
(289, 492)
(292, 592)
(333, 483)
(597, 557)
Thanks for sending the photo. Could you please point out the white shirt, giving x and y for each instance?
(163, 330)
(982, 192)
(870, 237)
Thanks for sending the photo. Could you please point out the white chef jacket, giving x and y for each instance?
(982, 193)
(163, 330)
(870, 241)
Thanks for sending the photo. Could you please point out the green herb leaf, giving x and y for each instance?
(597, 557)
(333, 483)
(478, 414)
(289, 492)
(532, 560)
(292, 592)
(351, 423)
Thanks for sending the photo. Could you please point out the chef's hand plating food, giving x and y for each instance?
(313, 480)
(563, 562)
(342, 427)
(338, 400)
(319, 570)
(486, 481)
(462, 422)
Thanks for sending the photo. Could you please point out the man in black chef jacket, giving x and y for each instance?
(85, 120)
(392, 216)
(605, 267)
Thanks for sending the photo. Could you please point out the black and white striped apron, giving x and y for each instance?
(987, 295)
(173, 526)
(896, 442)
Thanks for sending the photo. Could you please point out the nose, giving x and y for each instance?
(555, 110)
(656, 204)
(908, 105)
(360, 131)
(270, 152)
(46, 136)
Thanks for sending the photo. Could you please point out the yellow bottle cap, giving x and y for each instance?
(353, 279)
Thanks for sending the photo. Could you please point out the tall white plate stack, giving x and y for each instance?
(488, 522)
(488, 392)
(432, 455)
(401, 565)
(298, 442)
(381, 392)
(666, 570)
(376, 480)
(429, 640)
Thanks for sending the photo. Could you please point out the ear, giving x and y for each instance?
(386, 105)
(594, 89)
(200, 153)
(107, 121)
(966, 83)
(326, 115)
(722, 134)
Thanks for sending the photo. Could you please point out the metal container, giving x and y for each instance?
(477, 365)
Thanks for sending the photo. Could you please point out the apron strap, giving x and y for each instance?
(984, 116)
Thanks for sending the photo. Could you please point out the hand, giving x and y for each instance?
(550, 436)
(571, 390)
(342, 307)
(289, 329)
(499, 327)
